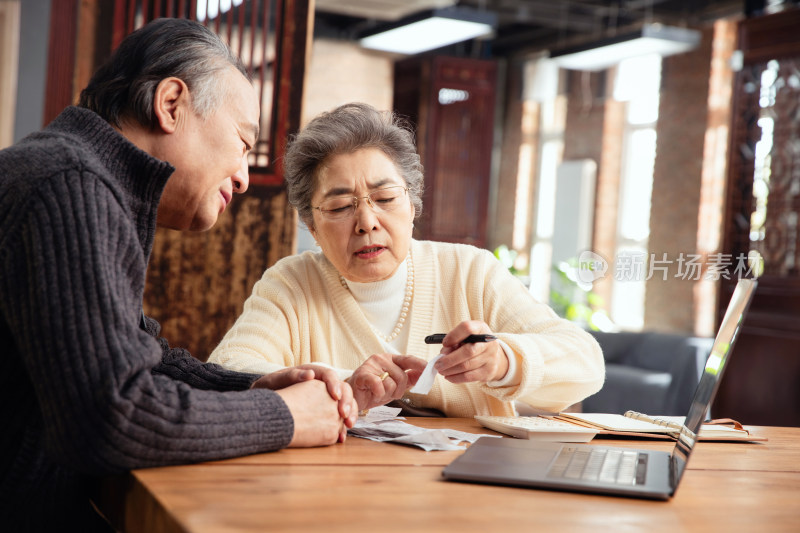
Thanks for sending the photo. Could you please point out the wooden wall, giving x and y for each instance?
(197, 282)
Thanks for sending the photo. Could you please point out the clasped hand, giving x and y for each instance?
(321, 404)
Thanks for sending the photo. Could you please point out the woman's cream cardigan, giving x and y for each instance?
(299, 312)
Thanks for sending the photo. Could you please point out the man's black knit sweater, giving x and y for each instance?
(86, 389)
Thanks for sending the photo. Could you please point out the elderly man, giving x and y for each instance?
(160, 137)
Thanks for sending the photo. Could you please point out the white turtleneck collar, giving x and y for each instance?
(382, 302)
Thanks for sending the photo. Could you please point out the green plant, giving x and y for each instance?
(507, 258)
(574, 300)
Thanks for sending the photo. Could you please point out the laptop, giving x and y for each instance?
(603, 469)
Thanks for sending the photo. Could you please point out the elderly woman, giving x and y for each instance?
(355, 178)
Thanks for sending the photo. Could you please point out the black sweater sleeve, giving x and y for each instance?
(110, 396)
(179, 364)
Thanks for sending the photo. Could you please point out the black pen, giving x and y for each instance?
(437, 338)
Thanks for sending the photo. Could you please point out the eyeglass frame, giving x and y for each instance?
(356, 200)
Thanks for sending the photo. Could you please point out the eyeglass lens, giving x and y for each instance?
(385, 199)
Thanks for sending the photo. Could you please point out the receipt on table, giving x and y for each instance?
(430, 440)
(425, 381)
(399, 432)
(382, 412)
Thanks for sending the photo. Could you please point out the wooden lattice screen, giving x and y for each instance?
(766, 201)
(264, 34)
(763, 221)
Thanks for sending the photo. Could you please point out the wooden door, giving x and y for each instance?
(451, 101)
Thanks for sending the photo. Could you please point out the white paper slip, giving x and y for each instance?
(425, 381)
(431, 440)
(382, 412)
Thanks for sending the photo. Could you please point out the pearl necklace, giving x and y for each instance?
(406, 302)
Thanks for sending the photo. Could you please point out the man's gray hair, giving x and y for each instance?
(344, 130)
(124, 87)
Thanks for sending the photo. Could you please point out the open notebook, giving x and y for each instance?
(633, 424)
(631, 472)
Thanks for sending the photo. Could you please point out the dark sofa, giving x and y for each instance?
(650, 372)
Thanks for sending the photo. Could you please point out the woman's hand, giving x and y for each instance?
(479, 361)
(383, 378)
(337, 389)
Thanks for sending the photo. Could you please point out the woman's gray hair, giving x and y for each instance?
(344, 130)
(124, 87)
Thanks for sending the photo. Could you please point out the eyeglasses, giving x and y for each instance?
(342, 207)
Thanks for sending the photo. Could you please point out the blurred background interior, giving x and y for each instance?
(627, 159)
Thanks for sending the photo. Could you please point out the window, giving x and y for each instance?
(553, 109)
(637, 83)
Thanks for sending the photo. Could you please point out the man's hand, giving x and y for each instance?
(383, 378)
(337, 389)
(316, 414)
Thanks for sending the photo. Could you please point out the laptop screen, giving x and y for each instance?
(712, 374)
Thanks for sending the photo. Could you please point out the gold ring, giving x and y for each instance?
(384, 376)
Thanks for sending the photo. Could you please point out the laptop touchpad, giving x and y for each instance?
(510, 456)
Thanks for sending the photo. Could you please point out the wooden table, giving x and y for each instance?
(363, 485)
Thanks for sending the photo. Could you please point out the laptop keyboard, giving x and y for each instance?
(603, 465)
